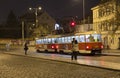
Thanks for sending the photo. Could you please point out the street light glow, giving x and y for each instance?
(39, 8)
(30, 8)
(36, 13)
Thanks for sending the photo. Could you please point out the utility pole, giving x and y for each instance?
(83, 12)
(23, 32)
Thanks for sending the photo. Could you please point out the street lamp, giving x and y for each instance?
(36, 13)
(83, 12)
(23, 38)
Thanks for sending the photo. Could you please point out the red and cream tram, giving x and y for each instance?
(88, 43)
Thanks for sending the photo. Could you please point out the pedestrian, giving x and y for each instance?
(74, 49)
(8, 46)
(26, 47)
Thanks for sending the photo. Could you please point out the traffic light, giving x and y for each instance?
(72, 23)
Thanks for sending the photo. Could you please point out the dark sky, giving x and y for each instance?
(56, 8)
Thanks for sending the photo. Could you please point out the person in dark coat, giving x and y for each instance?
(74, 49)
(26, 48)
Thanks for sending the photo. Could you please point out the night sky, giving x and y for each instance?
(56, 8)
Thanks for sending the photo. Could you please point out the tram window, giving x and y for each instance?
(69, 39)
(41, 41)
(59, 40)
(53, 40)
(38, 41)
(45, 41)
(82, 38)
(97, 37)
(87, 38)
(56, 40)
(77, 38)
(49, 40)
(63, 40)
(66, 40)
(90, 38)
(72, 37)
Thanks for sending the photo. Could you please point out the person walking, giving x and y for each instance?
(26, 47)
(74, 49)
(8, 46)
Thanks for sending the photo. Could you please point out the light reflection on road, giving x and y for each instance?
(103, 64)
(87, 60)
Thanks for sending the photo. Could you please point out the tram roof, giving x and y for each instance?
(71, 34)
(89, 32)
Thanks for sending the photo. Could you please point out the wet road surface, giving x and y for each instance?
(12, 66)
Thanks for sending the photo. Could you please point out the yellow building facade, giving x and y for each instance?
(106, 22)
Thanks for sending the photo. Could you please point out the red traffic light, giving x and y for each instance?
(72, 24)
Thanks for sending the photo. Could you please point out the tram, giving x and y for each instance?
(88, 43)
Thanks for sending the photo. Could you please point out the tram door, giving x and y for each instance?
(106, 42)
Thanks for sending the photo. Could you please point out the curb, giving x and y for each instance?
(117, 55)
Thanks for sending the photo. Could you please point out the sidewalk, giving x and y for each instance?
(111, 52)
(67, 59)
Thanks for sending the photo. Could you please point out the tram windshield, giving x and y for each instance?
(93, 38)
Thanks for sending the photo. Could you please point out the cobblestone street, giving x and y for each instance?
(12, 66)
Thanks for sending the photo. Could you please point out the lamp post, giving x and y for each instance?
(83, 12)
(23, 32)
(36, 13)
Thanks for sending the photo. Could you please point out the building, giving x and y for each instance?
(106, 21)
(46, 22)
(45, 25)
(83, 28)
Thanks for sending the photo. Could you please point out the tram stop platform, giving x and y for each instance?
(82, 60)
